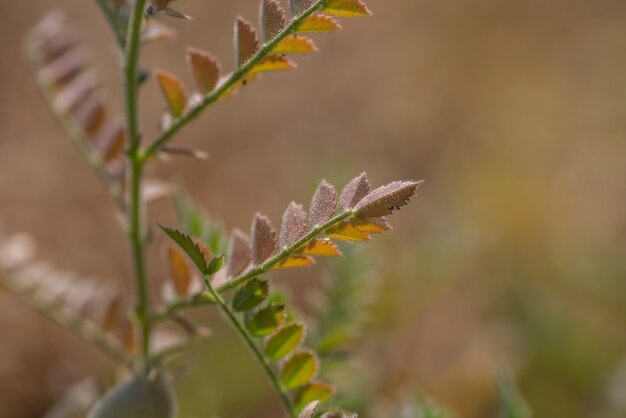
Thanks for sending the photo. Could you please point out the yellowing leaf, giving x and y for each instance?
(266, 321)
(347, 8)
(284, 341)
(246, 41)
(295, 261)
(112, 314)
(372, 225)
(299, 369)
(274, 63)
(346, 232)
(318, 23)
(272, 18)
(179, 268)
(320, 246)
(316, 391)
(294, 44)
(173, 91)
(205, 69)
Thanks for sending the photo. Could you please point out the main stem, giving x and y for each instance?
(230, 315)
(136, 228)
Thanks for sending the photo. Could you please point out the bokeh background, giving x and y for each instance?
(513, 252)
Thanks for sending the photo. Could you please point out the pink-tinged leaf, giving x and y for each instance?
(371, 225)
(205, 69)
(165, 153)
(295, 261)
(346, 232)
(294, 224)
(386, 199)
(173, 91)
(176, 14)
(239, 254)
(246, 41)
(156, 32)
(179, 270)
(263, 239)
(346, 8)
(91, 115)
(318, 23)
(64, 68)
(274, 63)
(309, 410)
(322, 204)
(111, 141)
(320, 247)
(272, 17)
(74, 93)
(298, 6)
(295, 44)
(153, 190)
(354, 192)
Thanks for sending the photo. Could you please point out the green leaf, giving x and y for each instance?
(189, 246)
(266, 321)
(250, 295)
(284, 341)
(316, 391)
(215, 265)
(299, 369)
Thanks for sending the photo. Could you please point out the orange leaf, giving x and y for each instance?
(205, 68)
(347, 8)
(321, 246)
(371, 226)
(179, 268)
(173, 91)
(274, 63)
(112, 314)
(293, 44)
(346, 232)
(295, 261)
(318, 23)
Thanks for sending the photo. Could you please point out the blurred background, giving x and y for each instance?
(512, 253)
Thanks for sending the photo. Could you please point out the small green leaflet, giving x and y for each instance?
(215, 265)
(250, 295)
(299, 370)
(266, 321)
(189, 246)
(284, 341)
(315, 391)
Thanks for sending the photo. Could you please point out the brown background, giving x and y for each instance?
(513, 111)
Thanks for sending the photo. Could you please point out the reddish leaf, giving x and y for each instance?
(91, 114)
(111, 315)
(322, 204)
(263, 239)
(239, 254)
(64, 68)
(272, 18)
(294, 224)
(74, 93)
(173, 91)
(205, 69)
(385, 199)
(298, 6)
(179, 269)
(111, 141)
(354, 191)
(246, 41)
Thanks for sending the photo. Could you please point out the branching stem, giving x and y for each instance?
(235, 77)
(239, 327)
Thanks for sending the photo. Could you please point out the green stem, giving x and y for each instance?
(283, 254)
(136, 228)
(236, 76)
(230, 315)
